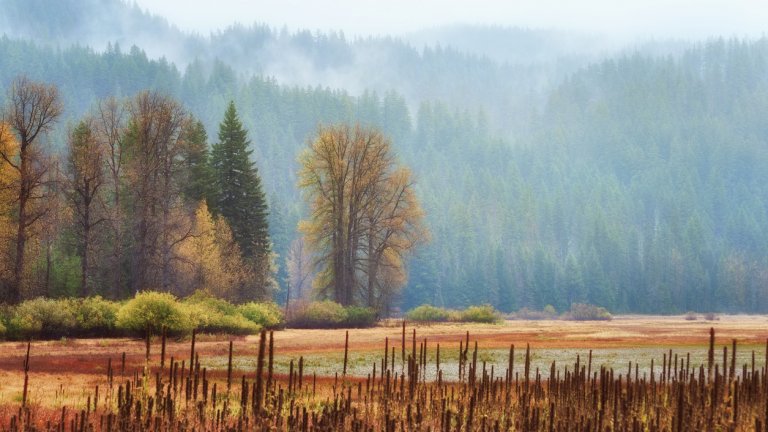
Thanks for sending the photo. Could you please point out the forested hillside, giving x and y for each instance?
(638, 183)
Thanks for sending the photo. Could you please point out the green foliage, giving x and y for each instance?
(481, 314)
(267, 315)
(2, 330)
(317, 314)
(95, 316)
(477, 314)
(329, 314)
(154, 311)
(360, 317)
(428, 313)
(648, 172)
(238, 194)
(588, 312)
(211, 302)
(197, 184)
(42, 317)
(207, 317)
(214, 315)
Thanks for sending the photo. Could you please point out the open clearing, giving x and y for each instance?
(66, 371)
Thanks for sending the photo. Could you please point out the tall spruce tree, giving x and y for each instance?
(197, 182)
(238, 195)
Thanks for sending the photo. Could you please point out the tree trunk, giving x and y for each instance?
(21, 235)
(85, 292)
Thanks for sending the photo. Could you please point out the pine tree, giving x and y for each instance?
(197, 184)
(239, 198)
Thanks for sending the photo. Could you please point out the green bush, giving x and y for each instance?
(481, 314)
(360, 317)
(211, 302)
(550, 311)
(43, 318)
(154, 311)
(267, 315)
(588, 312)
(206, 317)
(95, 316)
(319, 314)
(428, 313)
(2, 330)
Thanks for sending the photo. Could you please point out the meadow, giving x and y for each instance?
(631, 373)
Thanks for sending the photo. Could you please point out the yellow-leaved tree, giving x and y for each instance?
(212, 258)
(364, 215)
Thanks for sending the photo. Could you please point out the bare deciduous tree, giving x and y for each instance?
(31, 112)
(85, 178)
(157, 124)
(299, 267)
(111, 125)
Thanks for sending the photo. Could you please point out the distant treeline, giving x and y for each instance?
(641, 186)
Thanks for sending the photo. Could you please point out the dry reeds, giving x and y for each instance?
(578, 397)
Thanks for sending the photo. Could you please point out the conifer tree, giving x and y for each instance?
(239, 198)
(197, 184)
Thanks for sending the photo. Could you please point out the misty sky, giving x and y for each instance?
(622, 18)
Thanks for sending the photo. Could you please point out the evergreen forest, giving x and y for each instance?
(633, 178)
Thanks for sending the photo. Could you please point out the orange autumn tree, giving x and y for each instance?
(365, 217)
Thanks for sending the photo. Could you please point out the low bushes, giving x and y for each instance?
(319, 314)
(329, 314)
(153, 311)
(360, 317)
(477, 314)
(267, 315)
(480, 314)
(588, 312)
(95, 316)
(428, 313)
(44, 318)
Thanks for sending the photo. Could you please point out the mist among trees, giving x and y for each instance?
(634, 179)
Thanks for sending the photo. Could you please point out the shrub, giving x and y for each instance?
(711, 316)
(2, 330)
(213, 315)
(428, 313)
(550, 311)
(95, 316)
(153, 311)
(206, 317)
(43, 317)
(360, 317)
(691, 316)
(318, 314)
(481, 314)
(588, 312)
(267, 315)
(211, 302)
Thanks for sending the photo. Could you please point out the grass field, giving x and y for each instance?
(66, 373)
